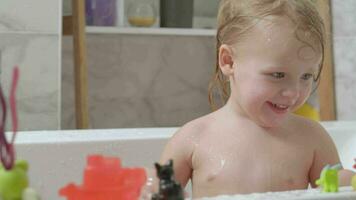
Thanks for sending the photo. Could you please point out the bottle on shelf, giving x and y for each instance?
(176, 13)
(100, 12)
(141, 13)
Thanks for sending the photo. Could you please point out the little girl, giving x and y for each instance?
(269, 55)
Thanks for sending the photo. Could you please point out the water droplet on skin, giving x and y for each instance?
(222, 163)
(193, 140)
(217, 171)
(218, 162)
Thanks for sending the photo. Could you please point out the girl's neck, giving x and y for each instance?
(233, 109)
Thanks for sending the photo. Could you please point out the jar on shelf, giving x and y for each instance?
(141, 13)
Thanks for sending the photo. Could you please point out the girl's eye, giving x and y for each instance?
(307, 76)
(278, 75)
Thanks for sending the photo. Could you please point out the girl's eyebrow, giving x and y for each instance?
(276, 68)
(283, 68)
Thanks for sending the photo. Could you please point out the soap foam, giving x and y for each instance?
(345, 193)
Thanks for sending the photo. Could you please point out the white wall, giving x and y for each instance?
(30, 38)
(344, 29)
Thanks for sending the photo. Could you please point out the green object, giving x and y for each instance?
(176, 13)
(329, 179)
(353, 182)
(30, 194)
(14, 181)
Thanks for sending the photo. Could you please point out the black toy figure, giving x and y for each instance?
(169, 189)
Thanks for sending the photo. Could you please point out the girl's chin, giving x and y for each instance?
(273, 121)
(270, 124)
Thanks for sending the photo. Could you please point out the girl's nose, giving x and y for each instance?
(291, 92)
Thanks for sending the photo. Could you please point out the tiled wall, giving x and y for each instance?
(141, 81)
(134, 80)
(144, 80)
(344, 27)
(29, 38)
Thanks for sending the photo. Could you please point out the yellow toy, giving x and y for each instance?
(308, 111)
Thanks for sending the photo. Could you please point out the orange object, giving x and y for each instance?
(105, 179)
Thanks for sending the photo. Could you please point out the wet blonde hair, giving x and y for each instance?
(236, 17)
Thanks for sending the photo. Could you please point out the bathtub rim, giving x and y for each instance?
(96, 135)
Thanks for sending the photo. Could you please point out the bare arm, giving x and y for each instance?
(325, 152)
(345, 177)
(180, 149)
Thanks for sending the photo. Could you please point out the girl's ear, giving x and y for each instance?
(226, 60)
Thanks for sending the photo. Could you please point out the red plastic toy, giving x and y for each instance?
(105, 179)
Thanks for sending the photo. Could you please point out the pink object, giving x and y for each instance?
(7, 151)
(105, 179)
(15, 78)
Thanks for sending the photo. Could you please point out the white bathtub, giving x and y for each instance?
(58, 157)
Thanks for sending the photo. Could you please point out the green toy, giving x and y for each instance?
(353, 180)
(14, 181)
(329, 179)
(30, 194)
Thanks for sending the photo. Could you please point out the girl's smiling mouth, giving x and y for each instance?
(278, 108)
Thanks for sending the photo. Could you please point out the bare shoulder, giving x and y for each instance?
(181, 146)
(194, 129)
(324, 149)
(182, 143)
(310, 129)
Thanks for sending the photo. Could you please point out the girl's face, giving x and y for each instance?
(272, 71)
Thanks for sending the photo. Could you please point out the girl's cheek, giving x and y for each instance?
(306, 93)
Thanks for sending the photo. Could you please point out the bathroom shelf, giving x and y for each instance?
(151, 31)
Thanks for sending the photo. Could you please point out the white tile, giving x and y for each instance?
(345, 70)
(38, 90)
(30, 16)
(344, 17)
